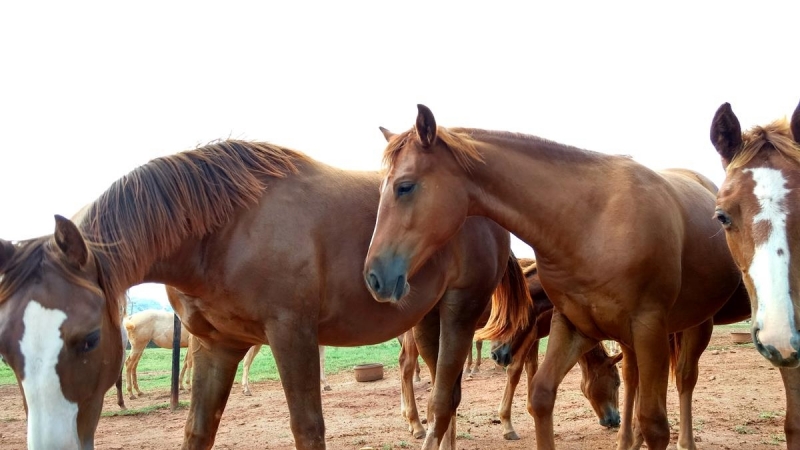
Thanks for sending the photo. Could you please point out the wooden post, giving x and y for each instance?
(176, 360)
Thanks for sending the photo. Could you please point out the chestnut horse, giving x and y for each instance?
(256, 235)
(599, 375)
(757, 206)
(624, 253)
(600, 382)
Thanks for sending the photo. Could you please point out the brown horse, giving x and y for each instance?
(600, 378)
(256, 235)
(757, 207)
(624, 253)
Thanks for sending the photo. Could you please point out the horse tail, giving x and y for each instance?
(128, 324)
(511, 305)
(674, 353)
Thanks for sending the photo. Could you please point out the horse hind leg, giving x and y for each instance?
(408, 405)
(248, 361)
(323, 380)
(478, 350)
(215, 369)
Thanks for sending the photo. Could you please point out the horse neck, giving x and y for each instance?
(541, 191)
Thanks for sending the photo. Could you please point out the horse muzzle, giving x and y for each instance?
(502, 355)
(387, 279)
(775, 356)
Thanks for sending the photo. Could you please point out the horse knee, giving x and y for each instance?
(542, 402)
(655, 429)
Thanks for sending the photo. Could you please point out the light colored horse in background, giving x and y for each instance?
(146, 326)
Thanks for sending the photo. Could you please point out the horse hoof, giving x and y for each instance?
(133, 397)
(123, 408)
(327, 388)
(247, 393)
(417, 379)
(511, 436)
(419, 434)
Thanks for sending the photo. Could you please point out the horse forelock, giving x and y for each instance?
(147, 213)
(458, 140)
(777, 136)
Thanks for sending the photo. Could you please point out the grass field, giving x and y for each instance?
(154, 367)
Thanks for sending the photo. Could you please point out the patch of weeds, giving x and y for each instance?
(386, 447)
(698, 424)
(465, 436)
(768, 415)
(741, 429)
(775, 439)
(361, 441)
(143, 411)
(403, 444)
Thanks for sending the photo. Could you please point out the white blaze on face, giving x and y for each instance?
(52, 419)
(770, 267)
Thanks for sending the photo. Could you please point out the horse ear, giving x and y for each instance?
(796, 124)
(69, 240)
(7, 250)
(387, 134)
(617, 358)
(426, 126)
(726, 133)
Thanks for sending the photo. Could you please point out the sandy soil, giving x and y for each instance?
(739, 404)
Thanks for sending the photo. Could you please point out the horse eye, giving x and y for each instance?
(723, 218)
(405, 189)
(90, 342)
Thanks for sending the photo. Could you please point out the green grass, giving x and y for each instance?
(154, 367)
(143, 410)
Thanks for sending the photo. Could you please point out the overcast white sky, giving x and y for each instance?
(90, 90)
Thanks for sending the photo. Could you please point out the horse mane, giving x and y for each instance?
(463, 144)
(147, 213)
(777, 135)
(458, 140)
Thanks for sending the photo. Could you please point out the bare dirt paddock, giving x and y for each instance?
(739, 404)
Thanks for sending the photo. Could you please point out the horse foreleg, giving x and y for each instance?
(478, 349)
(651, 344)
(791, 426)
(248, 361)
(296, 349)
(458, 316)
(691, 345)
(120, 397)
(323, 380)
(408, 405)
(417, 370)
(564, 348)
(513, 374)
(468, 367)
(630, 376)
(211, 385)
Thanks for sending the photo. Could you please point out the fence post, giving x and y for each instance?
(176, 359)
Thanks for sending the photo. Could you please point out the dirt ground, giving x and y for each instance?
(739, 404)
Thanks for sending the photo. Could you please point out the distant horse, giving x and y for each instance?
(270, 245)
(600, 382)
(757, 206)
(625, 253)
(144, 327)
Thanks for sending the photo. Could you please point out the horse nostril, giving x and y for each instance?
(495, 358)
(374, 281)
